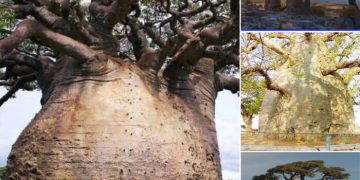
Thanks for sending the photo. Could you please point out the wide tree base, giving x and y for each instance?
(120, 128)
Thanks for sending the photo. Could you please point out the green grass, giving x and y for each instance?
(2, 171)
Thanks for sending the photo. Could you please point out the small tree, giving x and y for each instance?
(252, 94)
(302, 169)
(334, 173)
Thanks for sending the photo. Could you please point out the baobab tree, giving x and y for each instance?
(128, 87)
(295, 6)
(310, 80)
(301, 6)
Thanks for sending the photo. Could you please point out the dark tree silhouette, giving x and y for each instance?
(332, 173)
(302, 169)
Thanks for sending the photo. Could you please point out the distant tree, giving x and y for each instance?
(293, 170)
(302, 169)
(334, 173)
(2, 171)
(265, 177)
(252, 94)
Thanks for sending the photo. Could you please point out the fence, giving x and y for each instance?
(328, 136)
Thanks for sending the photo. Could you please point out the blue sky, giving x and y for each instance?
(256, 163)
(16, 113)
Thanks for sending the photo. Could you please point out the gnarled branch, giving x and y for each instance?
(228, 82)
(342, 65)
(33, 29)
(16, 87)
(269, 83)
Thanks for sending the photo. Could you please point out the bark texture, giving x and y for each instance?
(120, 126)
(106, 115)
(314, 103)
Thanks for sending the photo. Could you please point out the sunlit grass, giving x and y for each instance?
(297, 140)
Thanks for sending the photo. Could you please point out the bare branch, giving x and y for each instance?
(15, 58)
(16, 87)
(33, 29)
(269, 83)
(222, 57)
(112, 13)
(278, 49)
(228, 82)
(342, 65)
(221, 34)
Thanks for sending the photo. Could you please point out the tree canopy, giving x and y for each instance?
(303, 169)
(155, 35)
(265, 55)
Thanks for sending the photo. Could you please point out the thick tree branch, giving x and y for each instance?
(137, 38)
(154, 60)
(221, 34)
(109, 12)
(118, 11)
(9, 83)
(222, 57)
(269, 83)
(156, 37)
(16, 87)
(33, 29)
(276, 48)
(342, 65)
(228, 82)
(73, 27)
(15, 58)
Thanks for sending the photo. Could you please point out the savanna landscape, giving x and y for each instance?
(300, 15)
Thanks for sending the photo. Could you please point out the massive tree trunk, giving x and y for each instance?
(119, 124)
(247, 118)
(312, 102)
(298, 6)
(353, 12)
(272, 4)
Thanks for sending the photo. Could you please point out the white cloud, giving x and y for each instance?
(230, 175)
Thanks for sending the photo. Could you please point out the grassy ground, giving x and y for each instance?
(310, 141)
(2, 171)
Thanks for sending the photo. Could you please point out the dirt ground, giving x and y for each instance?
(259, 142)
(323, 16)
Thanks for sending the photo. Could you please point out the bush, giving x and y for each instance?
(2, 171)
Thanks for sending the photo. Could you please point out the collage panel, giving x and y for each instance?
(119, 89)
(300, 91)
(300, 165)
(334, 15)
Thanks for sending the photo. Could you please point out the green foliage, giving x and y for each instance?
(252, 93)
(7, 18)
(307, 168)
(334, 173)
(304, 169)
(2, 171)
